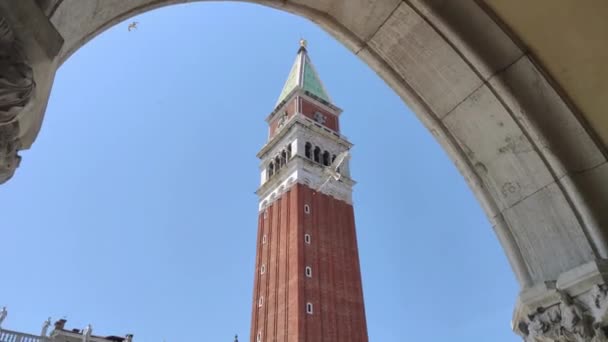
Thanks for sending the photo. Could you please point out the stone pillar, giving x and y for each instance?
(574, 308)
(29, 45)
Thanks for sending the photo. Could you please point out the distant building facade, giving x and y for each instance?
(58, 334)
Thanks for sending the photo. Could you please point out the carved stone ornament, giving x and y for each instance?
(16, 89)
(16, 75)
(581, 319)
(599, 305)
(9, 146)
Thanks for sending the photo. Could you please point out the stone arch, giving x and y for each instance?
(271, 169)
(317, 154)
(537, 170)
(308, 150)
(326, 158)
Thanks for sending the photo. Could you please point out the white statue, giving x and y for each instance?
(3, 314)
(45, 327)
(86, 333)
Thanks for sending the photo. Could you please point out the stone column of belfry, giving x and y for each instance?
(307, 284)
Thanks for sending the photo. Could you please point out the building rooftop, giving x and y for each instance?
(59, 333)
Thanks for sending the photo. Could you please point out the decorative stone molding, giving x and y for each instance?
(571, 320)
(299, 127)
(576, 312)
(311, 176)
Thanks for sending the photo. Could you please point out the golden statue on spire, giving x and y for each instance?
(303, 43)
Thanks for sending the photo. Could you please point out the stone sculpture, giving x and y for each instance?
(575, 325)
(3, 314)
(86, 333)
(45, 327)
(578, 319)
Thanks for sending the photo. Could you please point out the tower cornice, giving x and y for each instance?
(306, 123)
(299, 163)
(305, 173)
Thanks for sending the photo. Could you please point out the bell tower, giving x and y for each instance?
(307, 284)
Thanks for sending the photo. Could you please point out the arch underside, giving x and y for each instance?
(536, 170)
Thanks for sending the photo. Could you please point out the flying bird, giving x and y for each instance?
(333, 170)
(133, 26)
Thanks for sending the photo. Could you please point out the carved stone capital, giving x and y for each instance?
(576, 311)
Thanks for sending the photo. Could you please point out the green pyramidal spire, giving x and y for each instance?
(304, 76)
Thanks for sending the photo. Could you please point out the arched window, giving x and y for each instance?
(288, 152)
(308, 150)
(283, 158)
(326, 161)
(277, 163)
(317, 154)
(270, 169)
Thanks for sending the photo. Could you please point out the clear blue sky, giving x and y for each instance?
(135, 209)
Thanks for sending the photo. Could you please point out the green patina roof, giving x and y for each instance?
(304, 76)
